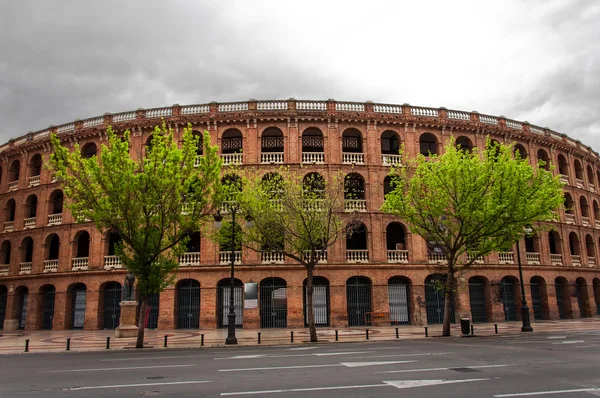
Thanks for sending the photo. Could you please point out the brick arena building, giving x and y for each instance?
(57, 273)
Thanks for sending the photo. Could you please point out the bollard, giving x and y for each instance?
(68, 343)
(201, 340)
(496, 327)
(426, 335)
(291, 336)
(258, 337)
(336, 336)
(397, 336)
(367, 333)
(165, 340)
(108, 342)
(472, 331)
(27, 345)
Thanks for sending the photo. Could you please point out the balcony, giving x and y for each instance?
(556, 259)
(564, 179)
(314, 205)
(353, 158)
(532, 258)
(3, 269)
(579, 183)
(478, 260)
(25, 268)
(506, 258)
(55, 219)
(576, 260)
(271, 158)
(225, 257)
(271, 257)
(189, 259)
(50, 265)
(321, 256)
(112, 262)
(436, 258)
(591, 261)
(397, 256)
(570, 218)
(592, 188)
(357, 256)
(197, 161)
(313, 157)
(232, 158)
(355, 205)
(585, 221)
(34, 181)
(391, 160)
(29, 223)
(80, 263)
(13, 186)
(9, 226)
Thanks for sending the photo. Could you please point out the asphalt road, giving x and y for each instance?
(561, 365)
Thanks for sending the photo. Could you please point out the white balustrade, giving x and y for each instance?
(41, 134)
(397, 256)
(321, 256)
(570, 218)
(478, 260)
(579, 183)
(233, 107)
(349, 106)
(459, 115)
(50, 265)
(597, 223)
(55, 219)
(232, 158)
(313, 157)
(357, 256)
(314, 204)
(270, 257)
(195, 109)
(189, 259)
(355, 205)
(34, 181)
(65, 128)
(112, 262)
(488, 119)
(228, 204)
(419, 111)
(123, 117)
(436, 258)
(591, 261)
(506, 257)
(532, 258)
(556, 259)
(564, 179)
(576, 260)
(25, 268)
(514, 125)
(197, 160)
(379, 108)
(97, 121)
(161, 112)
(80, 263)
(585, 221)
(272, 106)
(13, 186)
(4, 269)
(311, 105)
(9, 226)
(353, 158)
(391, 160)
(225, 257)
(536, 130)
(271, 157)
(592, 188)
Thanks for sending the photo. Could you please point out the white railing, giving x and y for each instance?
(391, 160)
(321, 256)
(585, 221)
(232, 158)
(314, 204)
(419, 111)
(459, 115)
(112, 262)
(225, 257)
(271, 157)
(379, 108)
(4, 269)
(579, 183)
(349, 106)
(570, 218)
(488, 119)
(576, 260)
(269, 257)
(591, 261)
(353, 158)
(536, 129)
(25, 268)
(80, 263)
(41, 134)
(353, 205)
(397, 256)
(228, 204)
(161, 112)
(13, 186)
(564, 179)
(597, 224)
(436, 258)
(233, 107)
(532, 258)
(556, 259)
(357, 256)
(34, 181)
(514, 125)
(65, 128)
(313, 157)
(189, 259)
(194, 109)
(272, 106)
(592, 188)
(311, 105)
(55, 219)
(478, 260)
(9, 226)
(123, 117)
(197, 160)
(50, 265)
(93, 122)
(506, 257)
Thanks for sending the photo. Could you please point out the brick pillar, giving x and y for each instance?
(251, 143)
(208, 308)
(166, 309)
(377, 249)
(418, 311)
(333, 143)
(551, 299)
(60, 311)
(34, 310)
(291, 143)
(93, 301)
(338, 310)
(295, 310)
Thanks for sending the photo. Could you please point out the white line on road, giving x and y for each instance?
(326, 354)
(127, 368)
(148, 357)
(302, 348)
(403, 355)
(556, 337)
(346, 364)
(449, 368)
(530, 394)
(136, 385)
(570, 342)
(296, 355)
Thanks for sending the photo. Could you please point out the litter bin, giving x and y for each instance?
(465, 326)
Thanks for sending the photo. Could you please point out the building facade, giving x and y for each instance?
(59, 273)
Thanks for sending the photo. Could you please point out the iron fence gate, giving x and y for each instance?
(559, 300)
(508, 300)
(320, 302)
(79, 298)
(398, 301)
(238, 303)
(153, 303)
(188, 304)
(3, 300)
(477, 300)
(434, 301)
(273, 303)
(112, 309)
(536, 301)
(358, 299)
(48, 309)
(23, 311)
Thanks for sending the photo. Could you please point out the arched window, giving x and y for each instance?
(390, 143)
(543, 156)
(5, 252)
(56, 202)
(52, 247)
(31, 204)
(578, 170)
(398, 299)
(82, 244)
(563, 166)
(387, 186)
(188, 304)
(569, 204)
(9, 211)
(520, 149)
(590, 248)
(554, 242)
(395, 235)
(478, 298)
(590, 176)
(464, 143)
(273, 303)
(428, 144)
(354, 187)
(585, 209)
(27, 250)
(200, 144)
(35, 165)
(574, 247)
(232, 141)
(358, 300)
(314, 184)
(596, 211)
(14, 171)
(312, 146)
(272, 140)
(89, 150)
(234, 184)
(356, 245)
(352, 141)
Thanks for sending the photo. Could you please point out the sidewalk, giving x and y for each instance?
(12, 342)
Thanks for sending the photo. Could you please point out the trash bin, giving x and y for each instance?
(465, 325)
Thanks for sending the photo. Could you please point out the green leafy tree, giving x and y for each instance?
(471, 203)
(153, 201)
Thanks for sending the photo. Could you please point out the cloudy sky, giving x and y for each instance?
(528, 60)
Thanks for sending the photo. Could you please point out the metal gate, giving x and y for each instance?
(434, 300)
(273, 303)
(559, 300)
(188, 304)
(112, 308)
(3, 300)
(508, 299)
(153, 303)
(320, 302)
(398, 301)
(358, 299)
(536, 301)
(48, 308)
(79, 298)
(477, 300)
(238, 302)
(23, 311)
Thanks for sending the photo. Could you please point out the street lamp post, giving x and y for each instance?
(526, 327)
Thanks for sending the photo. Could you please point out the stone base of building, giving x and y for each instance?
(127, 326)
(11, 324)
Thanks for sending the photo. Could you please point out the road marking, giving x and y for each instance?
(303, 348)
(570, 342)
(404, 355)
(425, 383)
(147, 358)
(127, 368)
(247, 356)
(359, 364)
(529, 394)
(346, 364)
(327, 354)
(324, 354)
(556, 337)
(136, 385)
(449, 368)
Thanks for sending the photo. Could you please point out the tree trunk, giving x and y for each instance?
(447, 303)
(309, 304)
(139, 343)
